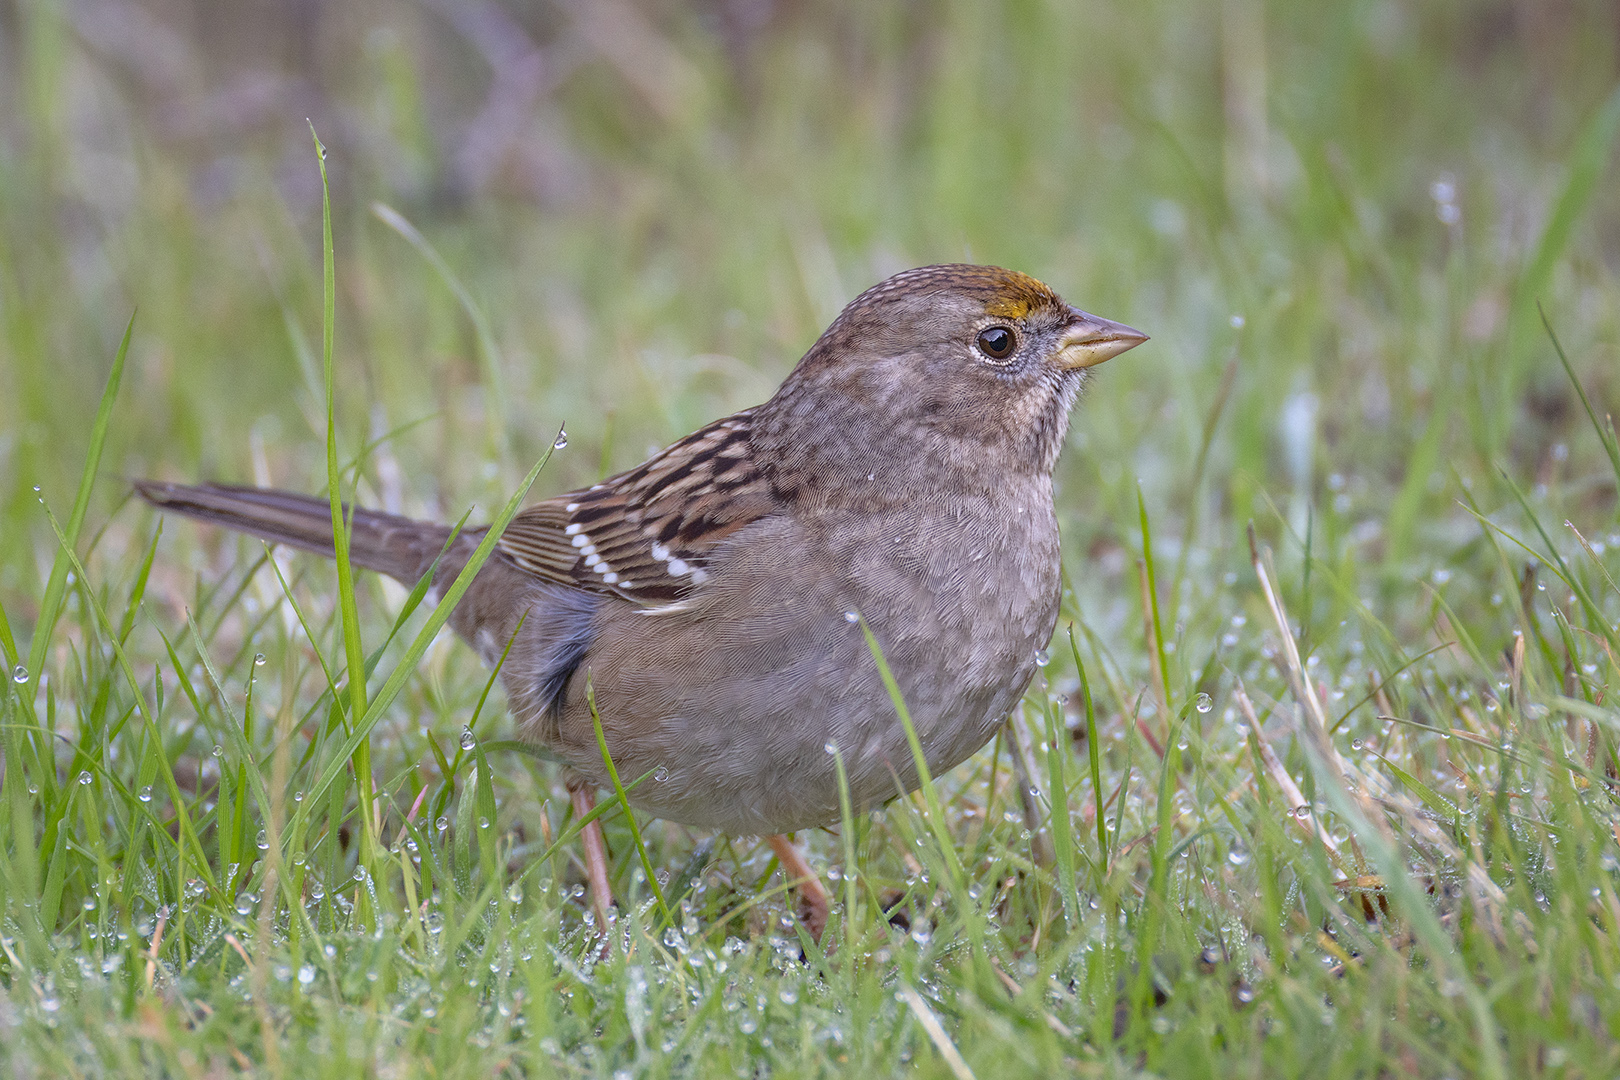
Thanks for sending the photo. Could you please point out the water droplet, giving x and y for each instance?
(483, 822)
(515, 893)
(19, 674)
(849, 617)
(467, 739)
(788, 994)
(1043, 657)
(830, 746)
(298, 796)
(1237, 856)
(85, 777)
(660, 774)
(306, 974)
(258, 659)
(263, 841)
(1203, 703)
(89, 903)
(562, 439)
(1355, 744)
(218, 751)
(145, 794)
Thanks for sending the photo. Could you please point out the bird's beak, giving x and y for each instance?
(1089, 341)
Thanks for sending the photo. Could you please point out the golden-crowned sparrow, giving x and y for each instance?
(712, 595)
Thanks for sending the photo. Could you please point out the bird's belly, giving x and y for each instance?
(738, 707)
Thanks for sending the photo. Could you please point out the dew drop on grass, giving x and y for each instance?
(258, 660)
(483, 822)
(263, 841)
(442, 824)
(661, 774)
(1203, 703)
(1043, 657)
(1355, 744)
(830, 746)
(562, 439)
(849, 617)
(19, 674)
(85, 777)
(145, 794)
(467, 739)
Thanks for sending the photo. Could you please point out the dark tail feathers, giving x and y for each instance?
(389, 544)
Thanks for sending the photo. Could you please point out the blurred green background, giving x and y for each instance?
(656, 207)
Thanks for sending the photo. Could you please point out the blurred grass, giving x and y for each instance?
(1336, 222)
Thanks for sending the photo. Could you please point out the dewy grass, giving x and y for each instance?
(1441, 902)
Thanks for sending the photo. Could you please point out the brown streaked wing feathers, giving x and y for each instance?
(678, 505)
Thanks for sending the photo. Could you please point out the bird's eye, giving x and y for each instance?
(997, 342)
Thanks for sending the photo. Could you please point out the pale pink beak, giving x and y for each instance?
(1090, 340)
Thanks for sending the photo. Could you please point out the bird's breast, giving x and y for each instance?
(736, 699)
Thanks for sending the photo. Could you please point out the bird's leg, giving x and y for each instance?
(596, 863)
(813, 906)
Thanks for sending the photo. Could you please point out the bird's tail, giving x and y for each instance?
(397, 546)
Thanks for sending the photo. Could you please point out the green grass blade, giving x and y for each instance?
(936, 812)
(1586, 167)
(1057, 754)
(1094, 755)
(1153, 601)
(128, 671)
(1594, 612)
(349, 617)
(489, 353)
(413, 655)
(51, 606)
(1605, 434)
(624, 802)
(8, 644)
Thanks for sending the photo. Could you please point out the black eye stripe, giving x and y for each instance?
(997, 342)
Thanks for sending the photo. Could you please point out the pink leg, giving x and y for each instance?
(813, 906)
(596, 863)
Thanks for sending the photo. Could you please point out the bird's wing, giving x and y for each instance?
(646, 535)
